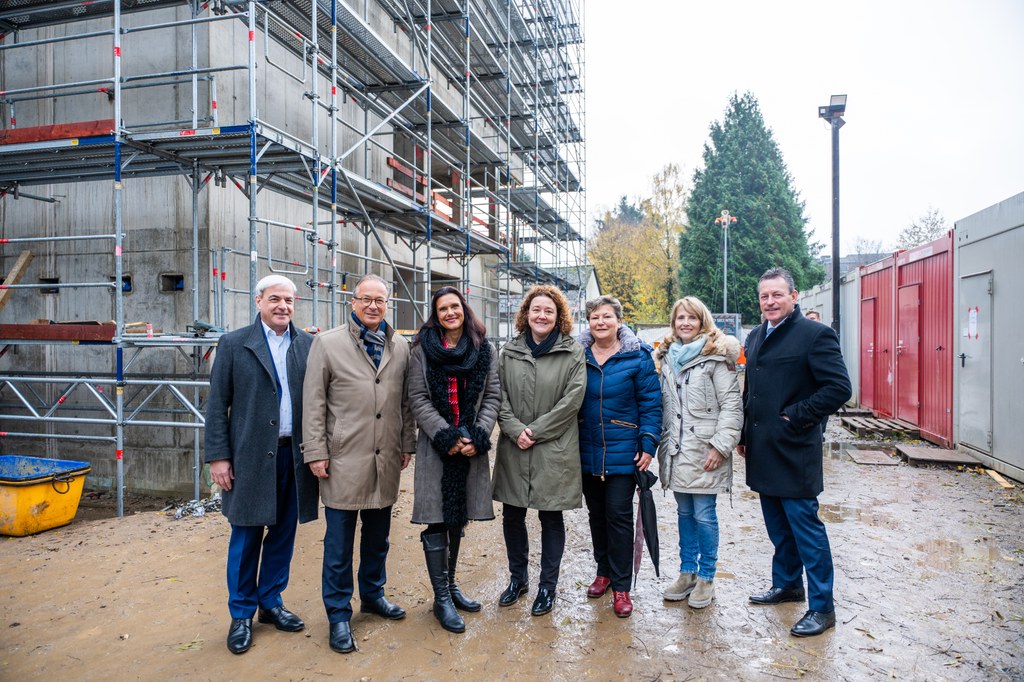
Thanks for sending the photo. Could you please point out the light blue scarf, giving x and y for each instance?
(679, 353)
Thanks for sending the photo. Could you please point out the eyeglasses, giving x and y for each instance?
(367, 301)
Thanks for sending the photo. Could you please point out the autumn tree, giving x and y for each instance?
(743, 172)
(665, 210)
(928, 227)
(631, 263)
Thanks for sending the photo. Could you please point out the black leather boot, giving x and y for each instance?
(435, 551)
(461, 601)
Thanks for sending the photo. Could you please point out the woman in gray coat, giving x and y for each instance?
(454, 395)
(543, 379)
(701, 419)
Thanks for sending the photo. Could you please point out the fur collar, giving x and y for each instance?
(630, 341)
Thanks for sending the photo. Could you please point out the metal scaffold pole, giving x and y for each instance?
(118, 261)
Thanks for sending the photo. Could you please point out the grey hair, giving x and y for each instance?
(275, 281)
(595, 303)
(779, 273)
(370, 277)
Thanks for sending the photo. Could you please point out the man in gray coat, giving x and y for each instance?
(253, 424)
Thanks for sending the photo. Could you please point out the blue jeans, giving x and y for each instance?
(698, 534)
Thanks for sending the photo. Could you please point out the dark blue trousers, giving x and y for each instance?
(801, 544)
(339, 544)
(260, 557)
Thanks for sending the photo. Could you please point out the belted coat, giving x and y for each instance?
(621, 412)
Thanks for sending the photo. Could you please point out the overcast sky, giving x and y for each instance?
(934, 117)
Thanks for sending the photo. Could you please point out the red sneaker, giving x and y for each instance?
(623, 606)
(598, 587)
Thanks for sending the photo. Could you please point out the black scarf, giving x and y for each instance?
(470, 366)
(545, 346)
(458, 361)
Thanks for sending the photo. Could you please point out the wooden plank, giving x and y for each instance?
(871, 457)
(14, 276)
(935, 455)
(57, 332)
(60, 131)
(999, 479)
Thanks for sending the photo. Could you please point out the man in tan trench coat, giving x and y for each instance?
(358, 435)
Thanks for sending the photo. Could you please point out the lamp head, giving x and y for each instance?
(836, 107)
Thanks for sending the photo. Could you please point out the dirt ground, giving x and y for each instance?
(929, 585)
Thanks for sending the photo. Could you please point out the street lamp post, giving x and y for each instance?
(833, 113)
(725, 220)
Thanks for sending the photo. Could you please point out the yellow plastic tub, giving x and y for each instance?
(38, 494)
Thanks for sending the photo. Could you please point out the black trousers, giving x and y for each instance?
(517, 544)
(610, 504)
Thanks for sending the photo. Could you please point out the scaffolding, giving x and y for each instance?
(435, 141)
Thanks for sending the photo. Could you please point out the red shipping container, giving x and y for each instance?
(924, 339)
(877, 378)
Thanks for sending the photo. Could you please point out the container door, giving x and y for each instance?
(975, 379)
(867, 352)
(908, 353)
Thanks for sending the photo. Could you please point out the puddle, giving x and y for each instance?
(839, 513)
(949, 555)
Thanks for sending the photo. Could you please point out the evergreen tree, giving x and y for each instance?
(744, 173)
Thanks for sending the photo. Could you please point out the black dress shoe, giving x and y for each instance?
(814, 623)
(513, 592)
(341, 638)
(282, 618)
(383, 608)
(778, 595)
(240, 635)
(544, 602)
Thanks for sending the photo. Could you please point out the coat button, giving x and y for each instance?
(270, 454)
(755, 423)
(377, 381)
(273, 422)
(377, 451)
(378, 416)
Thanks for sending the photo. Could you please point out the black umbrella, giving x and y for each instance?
(646, 523)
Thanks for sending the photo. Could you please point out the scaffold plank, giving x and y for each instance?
(14, 276)
(59, 131)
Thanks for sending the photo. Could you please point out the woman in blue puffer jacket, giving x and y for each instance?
(620, 426)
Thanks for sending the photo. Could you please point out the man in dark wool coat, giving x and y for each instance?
(253, 430)
(795, 378)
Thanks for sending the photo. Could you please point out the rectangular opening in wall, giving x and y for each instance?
(49, 280)
(172, 282)
(126, 284)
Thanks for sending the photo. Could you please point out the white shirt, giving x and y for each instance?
(279, 353)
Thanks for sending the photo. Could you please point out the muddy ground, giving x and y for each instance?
(929, 586)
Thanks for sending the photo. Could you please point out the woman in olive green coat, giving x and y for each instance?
(537, 466)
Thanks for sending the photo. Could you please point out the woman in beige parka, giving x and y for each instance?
(702, 415)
